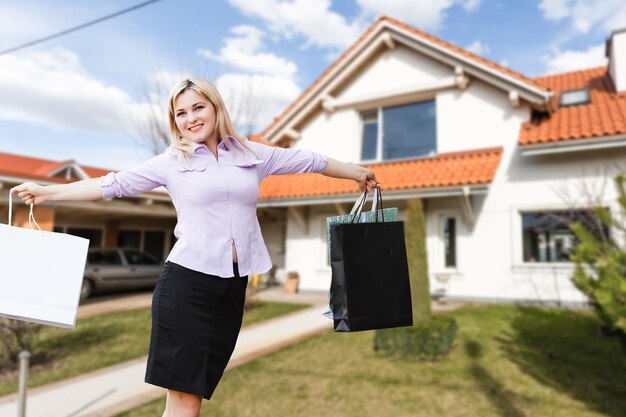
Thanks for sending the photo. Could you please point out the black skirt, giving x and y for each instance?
(196, 319)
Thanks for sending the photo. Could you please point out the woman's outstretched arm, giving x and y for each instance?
(365, 178)
(32, 193)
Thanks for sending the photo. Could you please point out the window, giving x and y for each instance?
(574, 97)
(547, 236)
(370, 136)
(129, 239)
(104, 257)
(154, 243)
(399, 132)
(135, 257)
(449, 241)
(94, 235)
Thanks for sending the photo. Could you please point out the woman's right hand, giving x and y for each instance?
(31, 193)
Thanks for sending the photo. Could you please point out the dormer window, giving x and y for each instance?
(574, 97)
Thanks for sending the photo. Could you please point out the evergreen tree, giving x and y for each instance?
(601, 263)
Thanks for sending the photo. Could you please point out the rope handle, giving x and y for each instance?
(31, 216)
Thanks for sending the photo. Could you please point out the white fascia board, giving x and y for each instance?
(470, 63)
(80, 173)
(575, 145)
(19, 180)
(388, 196)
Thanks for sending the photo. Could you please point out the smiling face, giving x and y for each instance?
(195, 117)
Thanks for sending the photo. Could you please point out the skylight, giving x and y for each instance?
(574, 97)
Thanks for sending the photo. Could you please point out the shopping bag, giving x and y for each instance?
(370, 286)
(41, 274)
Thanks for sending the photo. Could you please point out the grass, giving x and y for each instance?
(507, 361)
(105, 340)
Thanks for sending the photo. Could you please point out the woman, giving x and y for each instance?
(212, 176)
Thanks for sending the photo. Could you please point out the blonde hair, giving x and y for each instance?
(223, 124)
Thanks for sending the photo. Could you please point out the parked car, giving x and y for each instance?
(110, 269)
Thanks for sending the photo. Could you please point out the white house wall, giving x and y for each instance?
(307, 250)
(394, 69)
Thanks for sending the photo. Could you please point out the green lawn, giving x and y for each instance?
(507, 361)
(106, 340)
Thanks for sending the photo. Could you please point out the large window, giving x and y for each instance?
(547, 236)
(399, 132)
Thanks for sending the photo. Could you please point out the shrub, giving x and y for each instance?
(16, 336)
(427, 340)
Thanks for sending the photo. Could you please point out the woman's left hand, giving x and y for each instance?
(366, 180)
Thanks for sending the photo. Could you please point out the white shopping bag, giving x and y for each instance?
(41, 274)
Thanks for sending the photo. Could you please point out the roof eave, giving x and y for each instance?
(574, 145)
(393, 195)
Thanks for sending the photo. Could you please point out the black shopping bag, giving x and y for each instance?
(370, 286)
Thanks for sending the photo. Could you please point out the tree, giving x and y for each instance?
(430, 337)
(600, 263)
(417, 257)
(245, 107)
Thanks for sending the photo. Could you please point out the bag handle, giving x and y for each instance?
(378, 198)
(362, 200)
(30, 214)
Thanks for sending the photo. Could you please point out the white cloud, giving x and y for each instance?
(471, 5)
(554, 9)
(427, 15)
(569, 60)
(322, 27)
(478, 48)
(312, 19)
(52, 88)
(243, 52)
(583, 15)
(266, 86)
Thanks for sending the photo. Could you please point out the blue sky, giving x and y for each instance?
(81, 96)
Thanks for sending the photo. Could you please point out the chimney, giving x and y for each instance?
(616, 52)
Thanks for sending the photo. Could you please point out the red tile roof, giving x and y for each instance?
(446, 170)
(605, 115)
(412, 30)
(36, 169)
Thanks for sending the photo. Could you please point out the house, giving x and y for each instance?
(144, 222)
(503, 163)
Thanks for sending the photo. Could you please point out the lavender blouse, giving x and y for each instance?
(215, 200)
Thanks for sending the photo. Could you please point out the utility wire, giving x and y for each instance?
(74, 29)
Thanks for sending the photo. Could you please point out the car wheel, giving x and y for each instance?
(86, 289)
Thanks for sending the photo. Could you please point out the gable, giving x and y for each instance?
(390, 34)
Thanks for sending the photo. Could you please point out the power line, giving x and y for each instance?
(74, 29)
